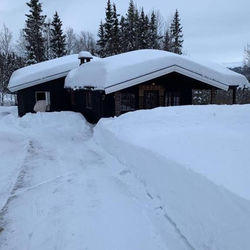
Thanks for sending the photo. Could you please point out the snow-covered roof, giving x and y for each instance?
(128, 69)
(85, 54)
(42, 72)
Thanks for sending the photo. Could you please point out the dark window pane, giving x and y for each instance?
(127, 102)
(40, 96)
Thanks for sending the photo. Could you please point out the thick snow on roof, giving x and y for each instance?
(42, 72)
(121, 71)
(85, 54)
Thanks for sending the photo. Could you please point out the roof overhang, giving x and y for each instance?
(164, 71)
(39, 81)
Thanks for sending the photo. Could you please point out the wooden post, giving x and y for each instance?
(212, 96)
(234, 95)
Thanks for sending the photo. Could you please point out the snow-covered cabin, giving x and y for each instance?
(145, 79)
(141, 79)
(43, 82)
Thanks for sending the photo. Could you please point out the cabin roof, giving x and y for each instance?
(42, 72)
(121, 71)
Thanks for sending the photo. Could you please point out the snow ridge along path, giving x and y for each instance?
(76, 191)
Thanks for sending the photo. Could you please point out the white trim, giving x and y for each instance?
(174, 68)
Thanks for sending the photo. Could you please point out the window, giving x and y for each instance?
(127, 102)
(172, 99)
(43, 96)
(88, 100)
(151, 99)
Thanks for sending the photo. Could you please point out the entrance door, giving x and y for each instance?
(151, 99)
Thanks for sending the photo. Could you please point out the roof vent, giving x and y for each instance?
(84, 57)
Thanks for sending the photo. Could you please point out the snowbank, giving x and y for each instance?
(121, 71)
(156, 144)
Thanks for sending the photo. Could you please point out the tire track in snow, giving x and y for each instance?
(18, 183)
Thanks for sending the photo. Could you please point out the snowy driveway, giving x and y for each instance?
(69, 194)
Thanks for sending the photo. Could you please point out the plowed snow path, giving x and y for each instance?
(70, 194)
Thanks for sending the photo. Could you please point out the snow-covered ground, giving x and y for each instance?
(65, 184)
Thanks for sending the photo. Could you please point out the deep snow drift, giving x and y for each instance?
(61, 189)
(166, 146)
(213, 140)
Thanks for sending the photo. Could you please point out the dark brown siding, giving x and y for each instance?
(59, 97)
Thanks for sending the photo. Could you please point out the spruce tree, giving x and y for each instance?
(33, 33)
(101, 42)
(167, 42)
(153, 38)
(176, 34)
(115, 32)
(131, 19)
(108, 27)
(58, 39)
(123, 35)
(143, 31)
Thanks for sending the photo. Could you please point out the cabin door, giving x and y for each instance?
(151, 99)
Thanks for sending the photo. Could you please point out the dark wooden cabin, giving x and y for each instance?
(53, 92)
(163, 89)
(43, 81)
(176, 87)
(170, 90)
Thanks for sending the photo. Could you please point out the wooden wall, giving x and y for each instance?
(59, 97)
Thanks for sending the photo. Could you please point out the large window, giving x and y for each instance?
(127, 102)
(43, 96)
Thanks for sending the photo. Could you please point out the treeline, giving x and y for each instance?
(137, 30)
(43, 38)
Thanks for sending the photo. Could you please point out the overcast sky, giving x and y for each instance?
(214, 30)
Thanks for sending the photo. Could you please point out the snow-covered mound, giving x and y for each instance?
(131, 68)
(180, 154)
(42, 72)
(213, 140)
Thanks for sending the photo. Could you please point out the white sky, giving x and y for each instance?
(213, 30)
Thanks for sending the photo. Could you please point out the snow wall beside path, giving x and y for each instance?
(205, 215)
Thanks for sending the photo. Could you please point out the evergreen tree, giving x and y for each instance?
(153, 38)
(58, 39)
(167, 42)
(115, 32)
(101, 42)
(131, 20)
(143, 31)
(176, 34)
(123, 35)
(33, 33)
(109, 35)
(108, 27)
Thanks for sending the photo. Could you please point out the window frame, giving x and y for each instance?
(128, 103)
(47, 98)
